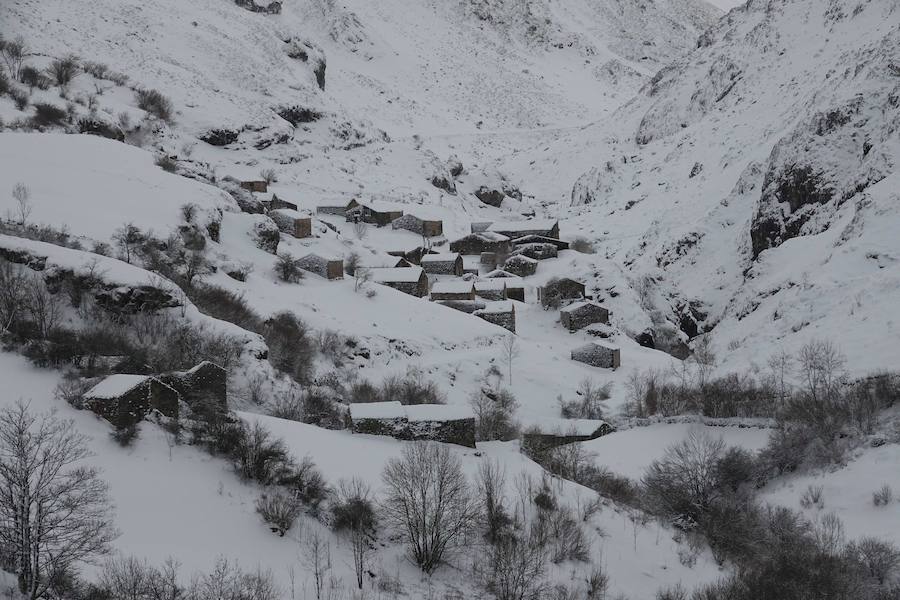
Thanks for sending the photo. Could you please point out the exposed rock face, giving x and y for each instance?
(490, 197)
(132, 300)
(296, 115)
(220, 137)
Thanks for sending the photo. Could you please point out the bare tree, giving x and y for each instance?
(704, 357)
(821, 367)
(491, 482)
(317, 558)
(361, 277)
(14, 53)
(428, 501)
(360, 550)
(351, 263)
(22, 197)
(781, 365)
(510, 349)
(269, 175)
(14, 284)
(516, 569)
(685, 481)
(44, 308)
(128, 237)
(53, 512)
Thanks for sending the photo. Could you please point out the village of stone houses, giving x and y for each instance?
(450, 300)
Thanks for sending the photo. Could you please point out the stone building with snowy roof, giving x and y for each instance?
(478, 243)
(409, 280)
(559, 290)
(551, 433)
(520, 265)
(124, 400)
(421, 223)
(292, 222)
(502, 314)
(537, 251)
(449, 263)
(453, 290)
(598, 355)
(451, 424)
(578, 315)
(329, 268)
(374, 212)
(541, 239)
(491, 289)
(516, 229)
(277, 203)
(204, 386)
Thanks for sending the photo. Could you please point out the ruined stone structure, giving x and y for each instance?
(432, 422)
(598, 355)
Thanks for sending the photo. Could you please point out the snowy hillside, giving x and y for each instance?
(741, 189)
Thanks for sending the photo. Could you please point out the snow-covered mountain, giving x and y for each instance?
(735, 175)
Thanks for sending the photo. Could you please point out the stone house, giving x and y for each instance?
(324, 267)
(552, 433)
(598, 355)
(499, 313)
(581, 314)
(413, 256)
(466, 306)
(337, 211)
(540, 239)
(124, 400)
(453, 290)
(516, 229)
(515, 285)
(255, 186)
(432, 422)
(424, 226)
(409, 280)
(205, 385)
(442, 264)
(477, 243)
(373, 212)
(491, 289)
(275, 203)
(488, 260)
(560, 289)
(537, 251)
(520, 265)
(292, 222)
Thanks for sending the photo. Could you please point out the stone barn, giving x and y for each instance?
(466, 306)
(424, 226)
(432, 422)
(560, 289)
(515, 289)
(581, 314)
(409, 280)
(598, 355)
(205, 385)
(275, 203)
(491, 289)
(442, 264)
(536, 251)
(255, 186)
(520, 265)
(414, 256)
(373, 212)
(329, 268)
(478, 243)
(292, 222)
(499, 313)
(540, 239)
(552, 433)
(125, 400)
(453, 290)
(516, 229)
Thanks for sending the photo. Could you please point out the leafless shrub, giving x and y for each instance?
(166, 163)
(516, 569)
(428, 501)
(154, 103)
(287, 406)
(14, 53)
(288, 268)
(883, 496)
(228, 580)
(880, 558)
(279, 510)
(491, 481)
(588, 405)
(63, 70)
(583, 245)
(813, 496)
(270, 176)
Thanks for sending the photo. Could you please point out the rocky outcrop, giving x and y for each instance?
(295, 115)
(220, 137)
(490, 196)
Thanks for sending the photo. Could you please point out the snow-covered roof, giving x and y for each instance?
(487, 236)
(438, 412)
(396, 274)
(436, 258)
(500, 273)
(383, 206)
(498, 307)
(377, 410)
(452, 287)
(529, 225)
(115, 385)
(593, 346)
(289, 212)
(490, 285)
(579, 305)
(569, 426)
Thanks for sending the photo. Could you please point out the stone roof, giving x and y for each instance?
(528, 225)
(452, 287)
(115, 386)
(436, 258)
(396, 274)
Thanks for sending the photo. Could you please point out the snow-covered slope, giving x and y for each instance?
(745, 178)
